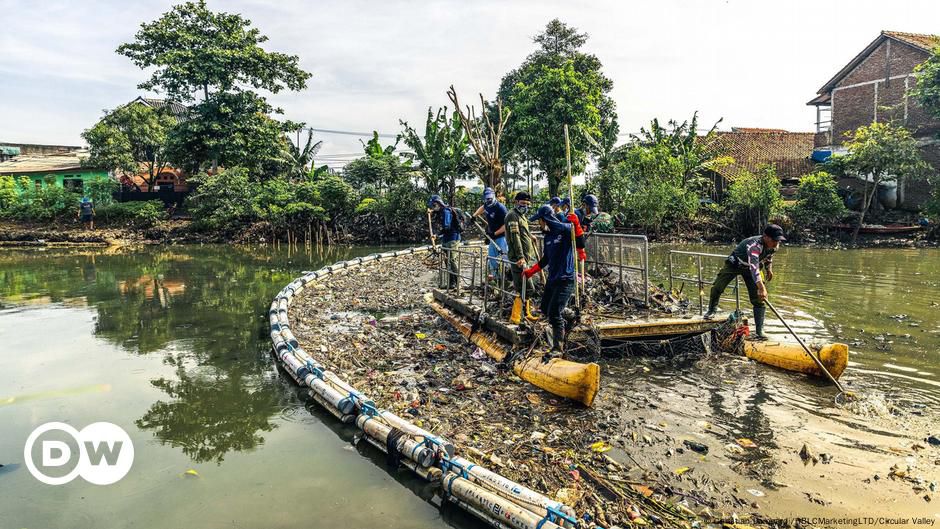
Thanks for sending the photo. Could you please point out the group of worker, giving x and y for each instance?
(511, 240)
(509, 234)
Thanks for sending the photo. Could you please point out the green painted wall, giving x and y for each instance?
(84, 175)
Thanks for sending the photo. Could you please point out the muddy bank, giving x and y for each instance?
(719, 439)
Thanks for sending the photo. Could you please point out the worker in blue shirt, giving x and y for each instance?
(447, 228)
(558, 259)
(495, 214)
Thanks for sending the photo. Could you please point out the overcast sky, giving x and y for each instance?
(754, 63)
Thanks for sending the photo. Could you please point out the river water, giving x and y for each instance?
(171, 344)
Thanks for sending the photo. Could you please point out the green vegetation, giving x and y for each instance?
(818, 202)
(879, 153)
(218, 56)
(130, 138)
(752, 200)
(250, 178)
(558, 84)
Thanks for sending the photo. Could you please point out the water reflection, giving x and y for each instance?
(204, 309)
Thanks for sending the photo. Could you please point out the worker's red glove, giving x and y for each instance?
(529, 272)
(582, 255)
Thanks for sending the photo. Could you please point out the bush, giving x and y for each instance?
(22, 200)
(223, 201)
(367, 205)
(657, 202)
(101, 191)
(818, 202)
(132, 214)
(752, 199)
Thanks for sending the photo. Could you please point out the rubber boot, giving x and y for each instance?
(712, 311)
(558, 341)
(759, 313)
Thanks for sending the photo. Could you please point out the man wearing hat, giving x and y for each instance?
(447, 227)
(495, 214)
(747, 260)
(519, 240)
(558, 259)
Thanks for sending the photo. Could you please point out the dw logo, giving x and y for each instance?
(104, 453)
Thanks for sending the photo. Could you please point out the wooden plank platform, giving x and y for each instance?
(607, 327)
(654, 327)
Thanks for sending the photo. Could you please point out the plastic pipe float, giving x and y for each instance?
(496, 500)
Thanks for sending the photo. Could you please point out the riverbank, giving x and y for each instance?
(182, 231)
(715, 442)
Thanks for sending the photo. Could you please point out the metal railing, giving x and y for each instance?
(632, 254)
(699, 278)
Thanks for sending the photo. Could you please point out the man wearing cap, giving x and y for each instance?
(558, 258)
(446, 228)
(563, 211)
(519, 240)
(495, 214)
(747, 260)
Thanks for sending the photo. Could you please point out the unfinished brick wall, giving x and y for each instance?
(854, 101)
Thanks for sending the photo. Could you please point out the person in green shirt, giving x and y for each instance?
(519, 240)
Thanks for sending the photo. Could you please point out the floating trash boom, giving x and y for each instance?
(496, 500)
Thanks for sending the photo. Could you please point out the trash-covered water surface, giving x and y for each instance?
(675, 443)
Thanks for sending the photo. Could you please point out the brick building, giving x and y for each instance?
(873, 87)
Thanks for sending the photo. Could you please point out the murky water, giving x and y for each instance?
(884, 303)
(171, 344)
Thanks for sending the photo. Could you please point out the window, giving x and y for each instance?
(75, 185)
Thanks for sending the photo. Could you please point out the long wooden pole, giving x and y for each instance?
(431, 232)
(577, 297)
(807, 349)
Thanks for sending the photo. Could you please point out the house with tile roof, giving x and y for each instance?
(789, 153)
(874, 87)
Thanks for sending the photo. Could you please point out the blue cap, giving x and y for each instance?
(435, 199)
(566, 201)
(544, 212)
(591, 202)
(555, 201)
(488, 195)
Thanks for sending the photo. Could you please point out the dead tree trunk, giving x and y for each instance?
(484, 137)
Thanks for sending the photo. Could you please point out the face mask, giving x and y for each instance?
(522, 209)
(489, 201)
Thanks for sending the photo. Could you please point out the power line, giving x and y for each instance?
(350, 133)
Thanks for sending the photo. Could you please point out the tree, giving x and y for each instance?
(441, 153)
(696, 155)
(927, 89)
(379, 170)
(484, 133)
(194, 50)
(232, 129)
(300, 160)
(559, 84)
(218, 55)
(752, 199)
(817, 200)
(878, 153)
(129, 138)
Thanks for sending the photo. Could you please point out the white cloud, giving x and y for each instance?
(755, 63)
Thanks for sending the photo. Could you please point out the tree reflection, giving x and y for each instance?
(209, 414)
(205, 308)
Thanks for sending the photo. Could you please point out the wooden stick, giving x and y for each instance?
(577, 298)
(807, 349)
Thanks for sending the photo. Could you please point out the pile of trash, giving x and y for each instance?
(373, 327)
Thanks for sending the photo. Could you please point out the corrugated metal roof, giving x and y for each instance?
(178, 110)
(44, 164)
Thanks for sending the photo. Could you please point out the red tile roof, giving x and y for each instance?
(788, 152)
(918, 40)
